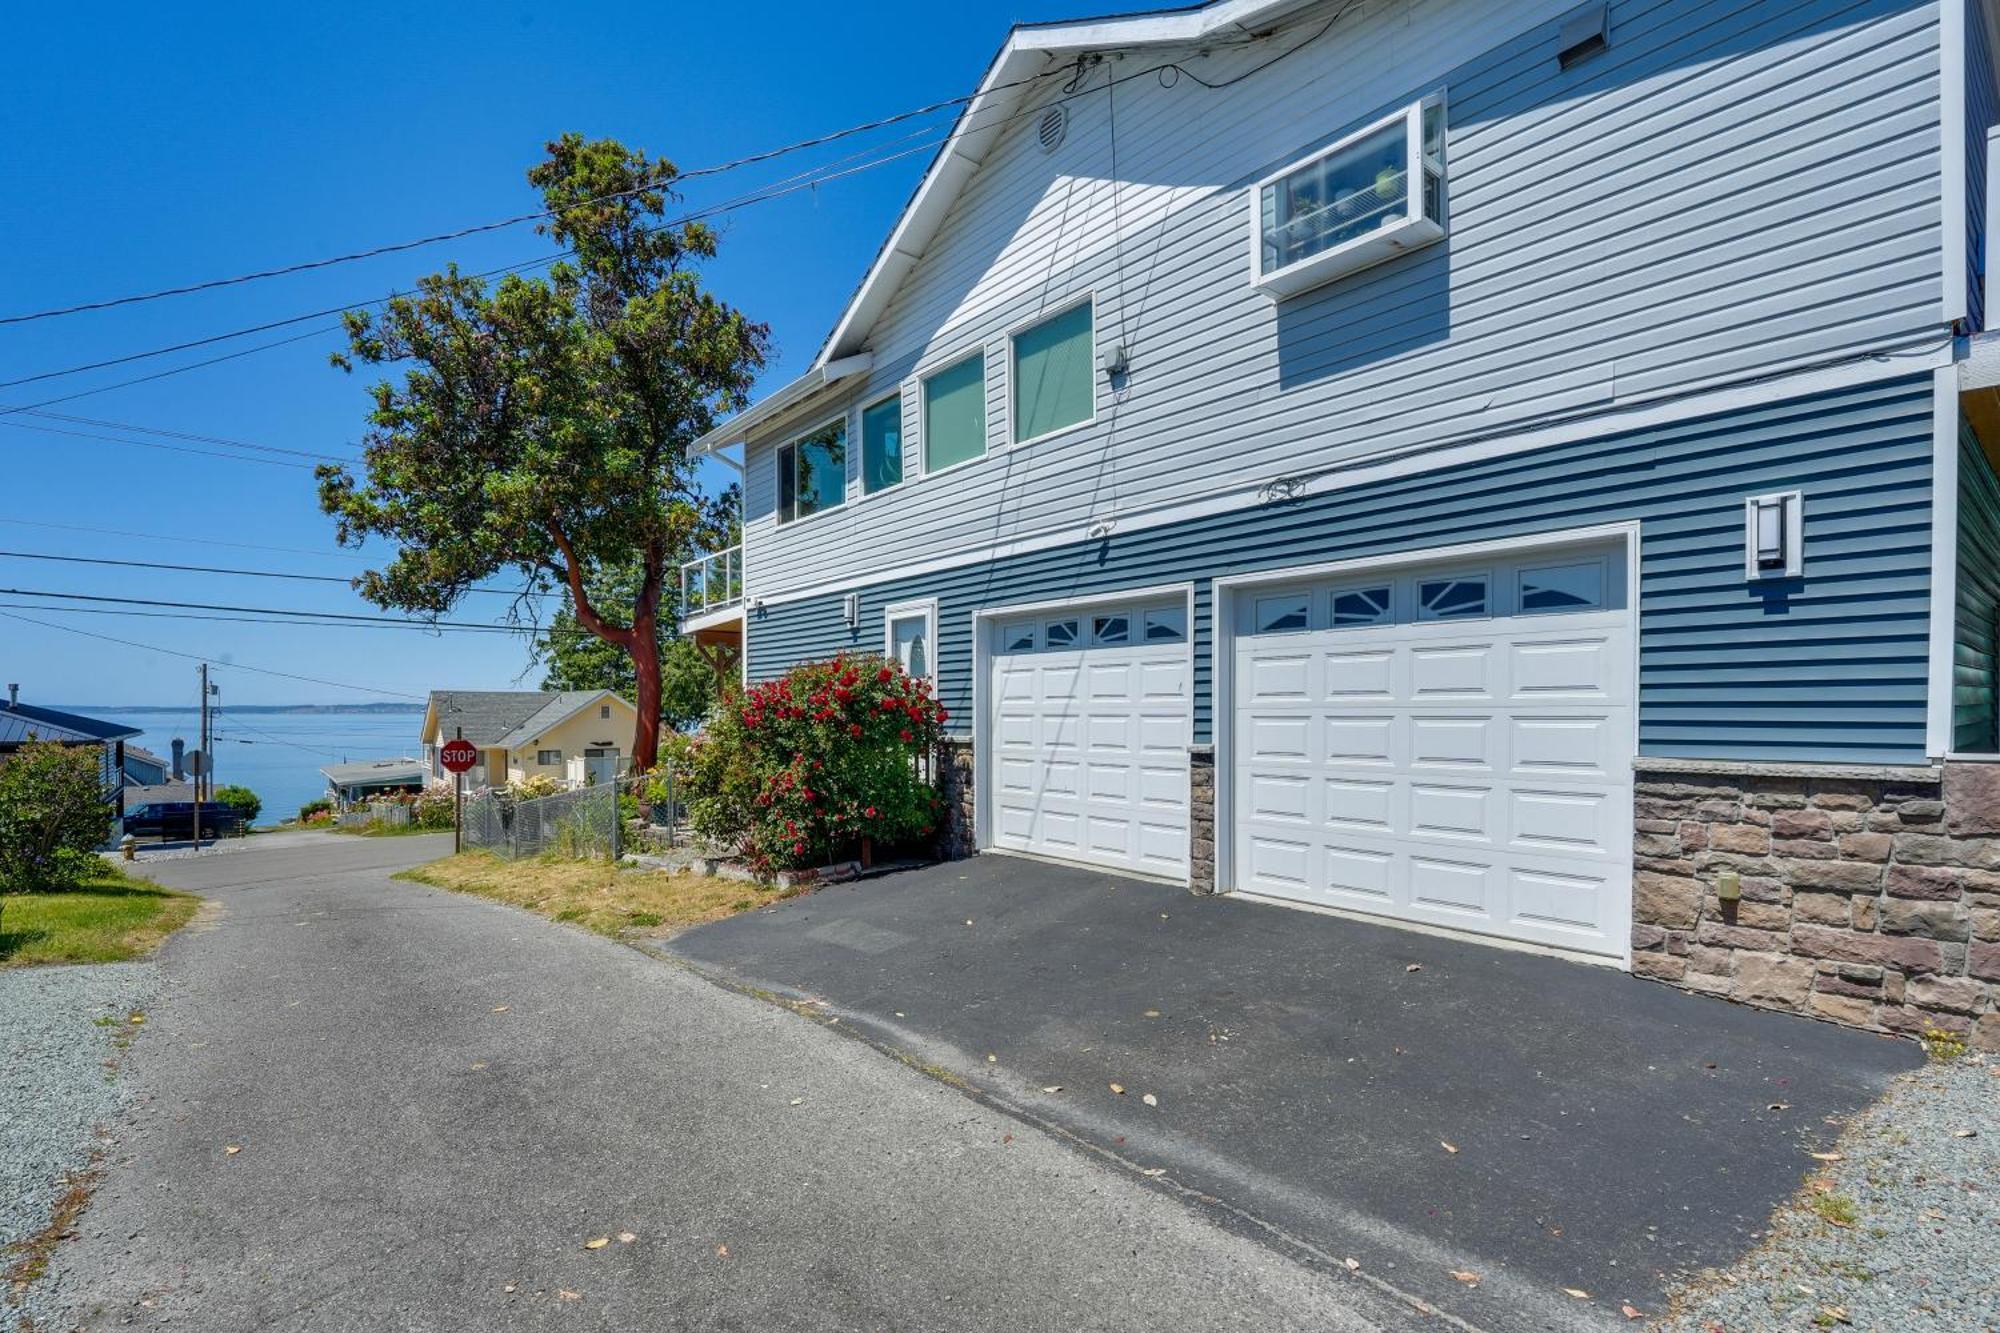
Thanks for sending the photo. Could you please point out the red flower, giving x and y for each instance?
(943, 716)
(871, 812)
(905, 735)
(884, 674)
(855, 731)
(798, 849)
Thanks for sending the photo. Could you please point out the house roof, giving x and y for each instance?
(561, 708)
(504, 718)
(158, 792)
(370, 771)
(24, 722)
(146, 756)
(1030, 52)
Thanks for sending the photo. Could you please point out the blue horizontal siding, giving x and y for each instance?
(1830, 667)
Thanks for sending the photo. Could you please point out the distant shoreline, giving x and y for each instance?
(88, 709)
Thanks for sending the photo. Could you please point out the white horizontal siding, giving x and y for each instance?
(1734, 187)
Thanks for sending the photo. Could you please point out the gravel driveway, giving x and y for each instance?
(1921, 1172)
(60, 1027)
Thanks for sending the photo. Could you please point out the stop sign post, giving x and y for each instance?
(458, 755)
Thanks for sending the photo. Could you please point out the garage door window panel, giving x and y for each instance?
(1166, 624)
(1362, 606)
(1557, 588)
(1109, 631)
(1060, 634)
(1453, 597)
(1284, 613)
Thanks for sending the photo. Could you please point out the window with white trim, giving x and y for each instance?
(1457, 597)
(1112, 629)
(1054, 376)
(909, 637)
(1060, 634)
(882, 444)
(1574, 587)
(812, 473)
(1361, 606)
(1368, 197)
(1283, 613)
(1165, 624)
(1018, 638)
(955, 413)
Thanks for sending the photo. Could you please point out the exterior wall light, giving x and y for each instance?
(1773, 536)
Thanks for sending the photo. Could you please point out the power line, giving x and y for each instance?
(160, 445)
(164, 537)
(267, 611)
(800, 183)
(300, 621)
(221, 569)
(173, 434)
(499, 224)
(227, 666)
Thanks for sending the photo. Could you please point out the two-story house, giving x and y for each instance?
(1498, 467)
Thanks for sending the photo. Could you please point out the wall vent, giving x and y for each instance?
(1055, 124)
(1582, 33)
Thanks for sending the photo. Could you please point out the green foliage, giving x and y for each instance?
(799, 770)
(242, 800)
(435, 807)
(1943, 1045)
(541, 425)
(534, 787)
(312, 810)
(54, 813)
(578, 660)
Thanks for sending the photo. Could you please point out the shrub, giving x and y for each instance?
(312, 810)
(434, 807)
(534, 788)
(54, 813)
(242, 800)
(799, 770)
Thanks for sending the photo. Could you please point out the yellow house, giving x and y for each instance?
(573, 736)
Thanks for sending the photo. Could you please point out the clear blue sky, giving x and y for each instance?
(150, 146)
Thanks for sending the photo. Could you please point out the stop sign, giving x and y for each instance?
(459, 755)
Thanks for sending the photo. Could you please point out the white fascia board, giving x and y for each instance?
(999, 94)
(737, 429)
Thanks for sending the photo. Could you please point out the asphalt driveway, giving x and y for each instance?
(364, 1106)
(1490, 1130)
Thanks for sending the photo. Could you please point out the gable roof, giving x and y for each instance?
(1032, 50)
(504, 718)
(24, 722)
(561, 708)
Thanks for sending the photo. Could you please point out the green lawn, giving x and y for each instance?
(109, 919)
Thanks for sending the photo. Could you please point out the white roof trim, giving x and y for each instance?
(822, 374)
(1027, 49)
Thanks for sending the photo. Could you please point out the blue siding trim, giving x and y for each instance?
(1976, 633)
(1830, 667)
(1980, 113)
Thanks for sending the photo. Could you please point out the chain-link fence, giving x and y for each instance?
(576, 824)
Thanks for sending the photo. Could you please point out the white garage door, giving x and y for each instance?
(1450, 746)
(1089, 729)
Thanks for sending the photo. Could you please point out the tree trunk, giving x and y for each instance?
(645, 651)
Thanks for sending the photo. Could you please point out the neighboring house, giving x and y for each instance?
(143, 768)
(573, 736)
(1445, 461)
(21, 723)
(350, 784)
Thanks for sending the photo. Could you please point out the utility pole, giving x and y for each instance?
(202, 672)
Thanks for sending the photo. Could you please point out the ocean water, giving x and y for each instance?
(278, 755)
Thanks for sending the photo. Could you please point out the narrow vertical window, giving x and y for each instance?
(955, 414)
(1054, 383)
(882, 445)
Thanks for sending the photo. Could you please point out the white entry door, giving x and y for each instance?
(1090, 714)
(1451, 746)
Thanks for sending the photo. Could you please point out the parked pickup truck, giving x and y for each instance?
(175, 819)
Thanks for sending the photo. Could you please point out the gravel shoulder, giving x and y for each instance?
(62, 1031)
(1919, 1177)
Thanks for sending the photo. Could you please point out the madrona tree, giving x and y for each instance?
(539, 427)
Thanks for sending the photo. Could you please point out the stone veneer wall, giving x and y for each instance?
(958, 836)
(1870, 897)
(1201, 818)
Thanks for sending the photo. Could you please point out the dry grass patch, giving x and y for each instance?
(110, 918)
(595, 894)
